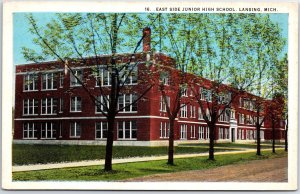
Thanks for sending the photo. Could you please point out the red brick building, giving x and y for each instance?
(52, 107)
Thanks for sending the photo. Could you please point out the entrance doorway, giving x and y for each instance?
(232, 134)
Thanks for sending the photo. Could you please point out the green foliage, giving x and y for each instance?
(130, 170)
(34, 154)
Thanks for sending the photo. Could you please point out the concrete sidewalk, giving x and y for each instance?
(116, 161)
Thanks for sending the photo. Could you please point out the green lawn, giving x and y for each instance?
(33, 154)
(130, 170)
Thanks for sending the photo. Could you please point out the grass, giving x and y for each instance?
(131, 170)
(41, 154)
(232, 145)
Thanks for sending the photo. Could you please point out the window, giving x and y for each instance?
(75, 130)
(163, 105)
(101, 130)
(164, 129)
(201, 132)
(61, 105)
(221, 133)
(243, 134)
(183, 129)
(193, 111)
(239, 134)
(232, 114)
(127, 130)
(207, 132)
(101, 104)
(29, 132)
(226, 130)
(49, 106)
(48, 130)
(49, 81)
(106, 77)
(76, 77)
(201, 93)
(241, 118)
(61, 79)
(206, 94)
(129, 76)
(193, 131)
(126, 101)
(30, 107)
(164, 78)
(183, 111)
(75, 104)
(30, 82)
(224, 117)
(200, 115)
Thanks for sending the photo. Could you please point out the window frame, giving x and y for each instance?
(32, 129)
(76, 125)
(131, 129)
(48, 79)
(73, 81)
(76, 104)
(53, 106)
(31, 104)
(101, 130)
(52, 130)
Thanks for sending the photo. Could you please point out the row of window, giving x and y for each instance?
(51, 81)
(126, 130)
(248, 134)
(248, 119)
(203, 132)
(49, 106)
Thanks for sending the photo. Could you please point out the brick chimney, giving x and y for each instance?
(147, 39)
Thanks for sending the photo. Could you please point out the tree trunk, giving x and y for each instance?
(258, 140)
(171, 143)
(211, 142)
(109, 145)
(273, 137)
(286, 138)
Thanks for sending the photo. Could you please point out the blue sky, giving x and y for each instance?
(23, 38)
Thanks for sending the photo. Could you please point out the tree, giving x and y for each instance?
(219, 58)
(79, 38)
(265, 42)
(274, 112)
(174, 37)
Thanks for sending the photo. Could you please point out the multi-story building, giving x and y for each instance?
(51, 106)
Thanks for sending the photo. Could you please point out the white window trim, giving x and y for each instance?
(28, 103)
(46, 129)
(123, 130)
(76, 81)
(76, 102)
(101, 130)
(130, 102)
(75, 129)
(33, 131)
(183, 132)
(164, 130)
(193, 131)
(52, 82)
(28, 78)
(201, 132)
(51, 105)
(184, 111)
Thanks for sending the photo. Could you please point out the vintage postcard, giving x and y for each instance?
(150, 96)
